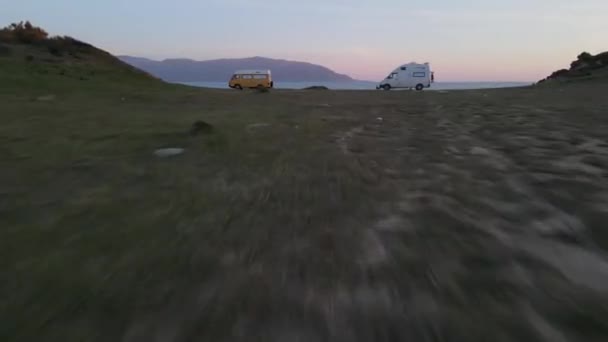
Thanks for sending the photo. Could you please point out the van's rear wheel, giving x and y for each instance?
(419, 87)
(386, 87)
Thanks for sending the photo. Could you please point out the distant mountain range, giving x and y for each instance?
(187, 70)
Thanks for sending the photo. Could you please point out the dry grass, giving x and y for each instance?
(460, 216)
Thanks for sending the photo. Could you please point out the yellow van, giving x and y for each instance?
(251, 79)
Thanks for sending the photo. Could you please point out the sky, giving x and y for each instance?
(464, 40)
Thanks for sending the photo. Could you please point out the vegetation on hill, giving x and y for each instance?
(586, 66)
(28, 34)
(23, 32)
(28, 55)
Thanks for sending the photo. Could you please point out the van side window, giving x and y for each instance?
(391, 76)
(403, 68)
(419, 74)
(236, 77)
(259, 77)
(247, 77)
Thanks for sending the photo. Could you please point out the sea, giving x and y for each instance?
(366, 85)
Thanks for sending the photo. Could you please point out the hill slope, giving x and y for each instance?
(60, 64)
(186, 70)
(586, 67)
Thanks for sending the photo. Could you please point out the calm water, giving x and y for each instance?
(362, 85)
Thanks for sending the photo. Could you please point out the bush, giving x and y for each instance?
(561, 72)
(53, 50)
(585, 57)
(6, 36)
(58, 46)
(76, 43)
(4, 50)
(55, 46)
(23, 32)
(602, 58)
(200, 127)
(317, 88)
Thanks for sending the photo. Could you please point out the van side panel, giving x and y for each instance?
(413, 75)
(249, 80)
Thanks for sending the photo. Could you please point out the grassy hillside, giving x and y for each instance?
(38, 64)
(301, 215)
(586, 67)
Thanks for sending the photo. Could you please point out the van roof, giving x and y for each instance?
(252, 72)
(414, 63)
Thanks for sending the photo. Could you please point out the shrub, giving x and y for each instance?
(6, 36)
(4, 50)
(200, 127)
(559, 73)
(585, 57)
(23, 32)
(55, 51)
(75, 43)
(317, 88)
(58, 46)
(602, 58)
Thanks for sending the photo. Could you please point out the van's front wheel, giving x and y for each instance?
(238, 86)
(386, 87)
(419, 87)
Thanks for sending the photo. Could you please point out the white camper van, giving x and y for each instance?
(412, 75)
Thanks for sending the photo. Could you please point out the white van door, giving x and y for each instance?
(404, 77)
(411, 82)
(393, 79)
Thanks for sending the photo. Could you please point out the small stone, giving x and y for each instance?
(479, 151)
(392, 173)
(46, 98)
(257, 125)
(168, 152)
(453, 150)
